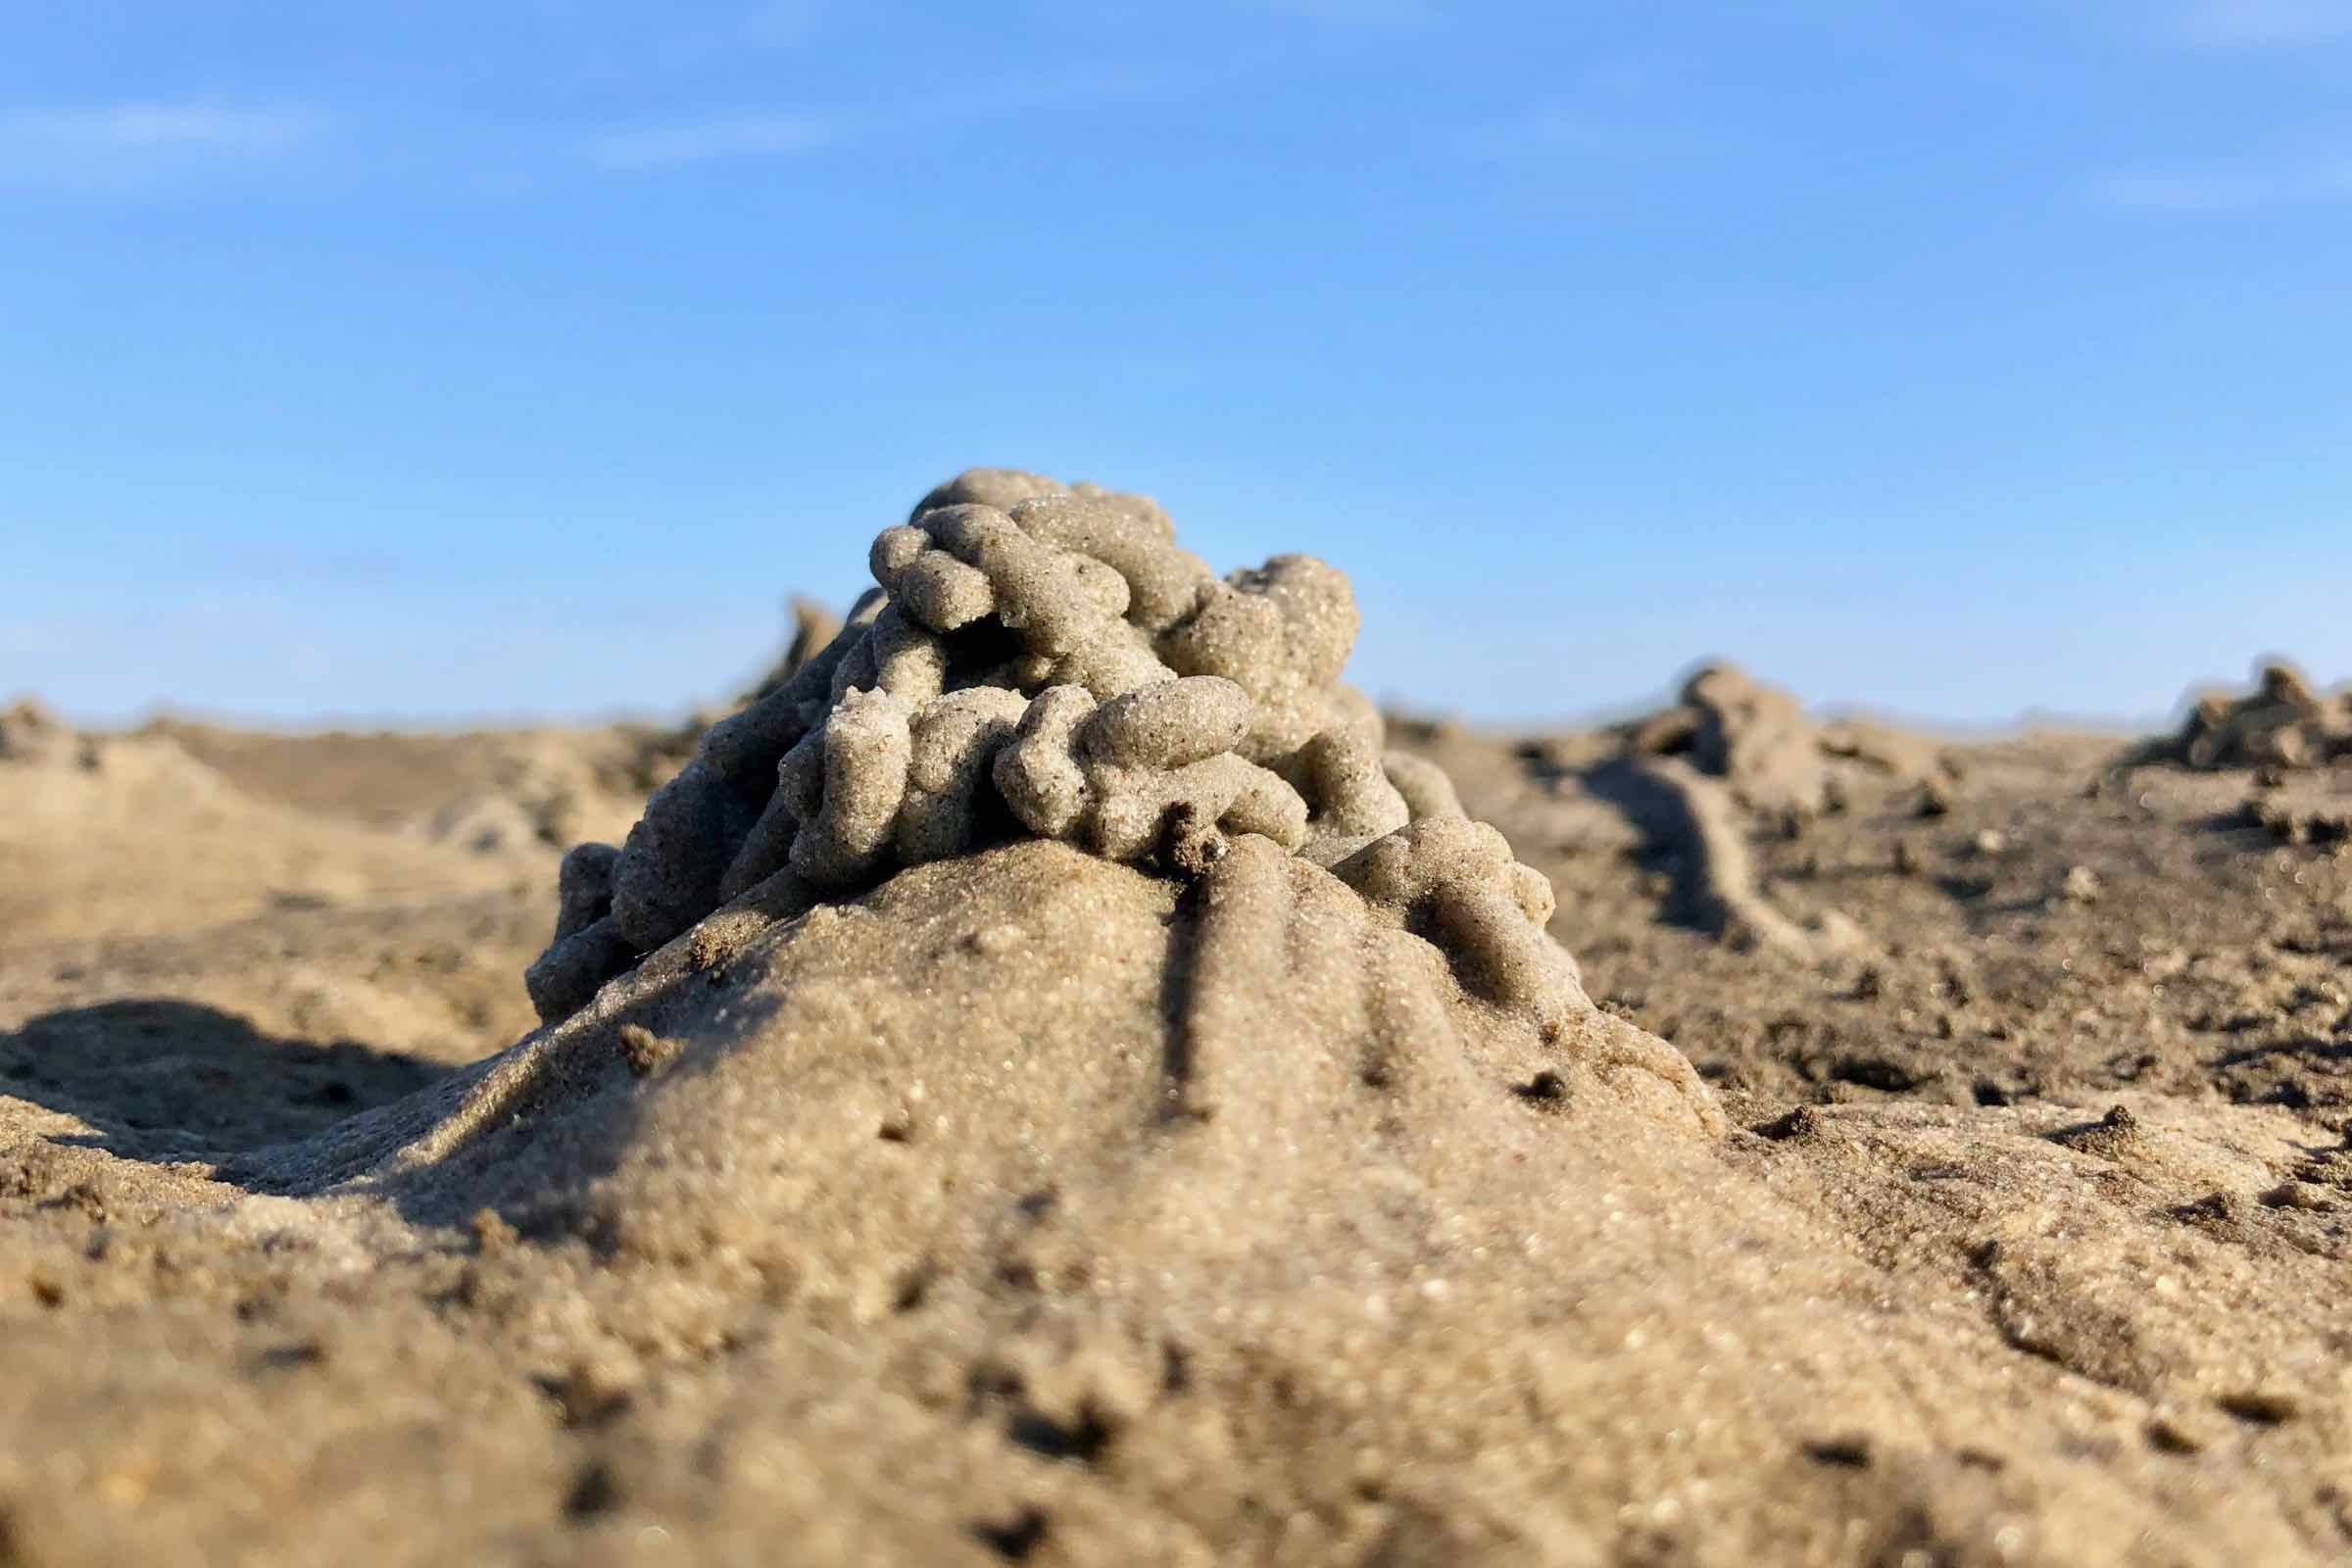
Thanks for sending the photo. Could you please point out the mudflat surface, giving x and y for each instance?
(1957, 1173)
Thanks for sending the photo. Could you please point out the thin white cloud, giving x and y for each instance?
(1554, 133)
(778, 24)
(709, 138)
(1361, 13)
(133, 146)
(2155, 191)
(52, 638)
(2263, 23)
(759, 133)
(2205, 191)
(133, 127)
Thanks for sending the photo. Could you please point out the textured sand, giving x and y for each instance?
(1035, 1208)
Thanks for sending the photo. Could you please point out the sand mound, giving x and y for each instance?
(1730, 759)
(1034, 1208)
(2296, 741)
(550, 788)
(31, 736)
(2283, 723)
(489, 791)
(130, 834)
(1769, 755)
(1042, 661)
(1695, 826)
(1028, 1009)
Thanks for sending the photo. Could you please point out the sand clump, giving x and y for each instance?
(1696, 823)
(1769, 755)
(2293, 740)
(545, 792)
(2283, 722)
(31, 736)
(1733, 758)
(1041, 661)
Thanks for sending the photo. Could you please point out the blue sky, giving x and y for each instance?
(450, 359)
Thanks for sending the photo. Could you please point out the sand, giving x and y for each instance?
(1033, 1202)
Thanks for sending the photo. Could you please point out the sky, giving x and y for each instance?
(443, 361)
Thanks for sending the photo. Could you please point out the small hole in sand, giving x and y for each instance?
(1874, 1072)
(1545, 1088)
(1843, 1453)
(594, 1491)
(914, 1286)
(2261, 1407)
(1016, 1538)
(1082, 1439)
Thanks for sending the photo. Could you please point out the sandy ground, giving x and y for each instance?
(1960, 1177)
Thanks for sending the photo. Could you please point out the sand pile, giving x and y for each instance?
(2294, 739)
(2283, 723)
(33, 736)
(1769, 755)
(1033, 1208)
(492, 792)
(1042, 661)
(1731, 759)
(550, 788)
(131, 834)
(1083, 976)
(1036, 1207)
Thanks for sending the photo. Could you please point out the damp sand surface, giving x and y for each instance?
(1029, 1206)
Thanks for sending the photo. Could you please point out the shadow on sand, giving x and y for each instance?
(165, 1079)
